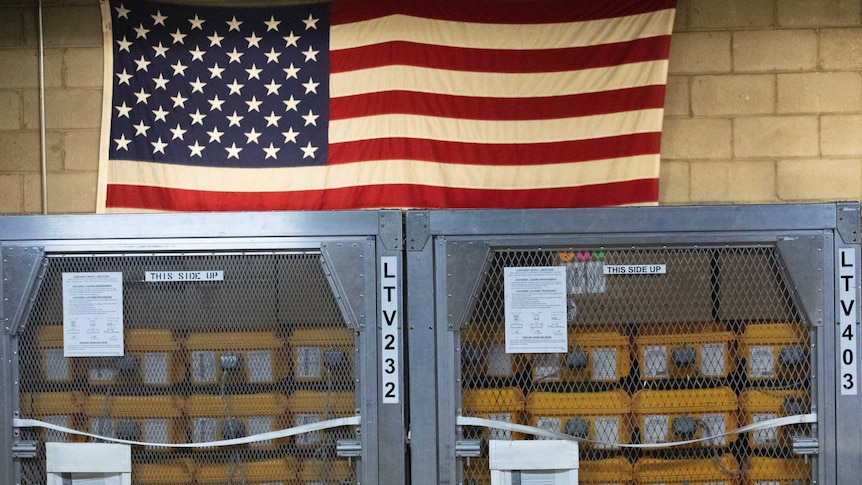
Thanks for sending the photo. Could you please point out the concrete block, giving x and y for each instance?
(775, 50)
(841, 49)
(11, 26)
(819, 180)
(729, 95)
(65, 108)
(840, 135)
(819, 92)
(81, 149)
(20, 68)
(699, 53)
(83, 67)
(731, 14)
(67, 26)
(72, 192)
(674, 184)
(696, 138)
(11, 109)
(11, 194)
(21, 151)
(32, 193)
(733, 181)
(677, 95)
(681, 16)
(776, 136)
(818, 13)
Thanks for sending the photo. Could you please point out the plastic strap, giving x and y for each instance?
(306, 428)
(520, 428)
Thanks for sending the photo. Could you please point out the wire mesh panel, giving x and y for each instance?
(258, 347)
(661, 366)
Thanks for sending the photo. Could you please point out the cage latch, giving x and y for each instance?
(24, 449)
(468, 449)
(348, 448)
(805, 445)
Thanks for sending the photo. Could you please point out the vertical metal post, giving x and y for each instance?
(42, 136)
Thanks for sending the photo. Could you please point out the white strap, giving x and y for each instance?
(306, 428)
(520, 428)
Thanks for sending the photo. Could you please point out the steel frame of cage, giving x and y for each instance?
(448, 252)
(431, 262)
(353, 245)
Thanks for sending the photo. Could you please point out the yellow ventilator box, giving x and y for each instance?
(609, 471)
(172, 472)
(325, 472)
(268, 472)
(58, 408)
(686, 414)
(148, 419)
(236, 357)
(594, 355)
(502, 404)
(483, 352)
(759, 405)
(55, 368)
(604, 418)
(321, 354)
(722, 470)
(152, 357)
(217, 418)
(774, 351)
(760, 470)
(477, 471)
(306, 407)
(709, 354)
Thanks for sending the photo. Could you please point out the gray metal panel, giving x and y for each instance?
(708, 219)
(344, 266)
(23, 269)
(422, 355)
(189, 225)
(466, 261)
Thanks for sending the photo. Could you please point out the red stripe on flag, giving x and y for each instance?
(503, 109)
(532, 154)
(499, 60)
(498, 12)
(385, 196)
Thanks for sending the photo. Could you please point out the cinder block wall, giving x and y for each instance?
(764, 103)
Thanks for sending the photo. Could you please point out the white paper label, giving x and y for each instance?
(656, 428)
(500, 434)
(259, 425)
(712, 360)
(56, 365)
(52, 435)
(547, 367)
(390, 333)
(259, 366)
(203, 366)
(156, 368)
(311, 438)
(162, 276)
(713, 425)
(550, 424)
(761, 361)
(635, 269)
(308, 362)
(764, 437)
(499, 362)
(204, 430)
(595, 275)
(848, 320)
(655, 361)
(607, 433)
(535, 309)
(604, 365)
(156, 431)
(92, 314)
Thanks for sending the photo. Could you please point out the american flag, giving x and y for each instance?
(383, 103)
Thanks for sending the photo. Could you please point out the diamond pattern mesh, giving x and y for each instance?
(264, 349)
(715, 343)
